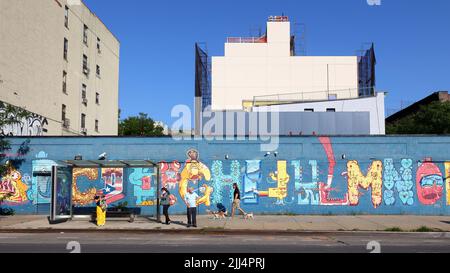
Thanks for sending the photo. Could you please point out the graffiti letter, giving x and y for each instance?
(356, 179)
(220, 180)
(429, 183)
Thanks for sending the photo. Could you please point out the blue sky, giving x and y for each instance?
(157, 42)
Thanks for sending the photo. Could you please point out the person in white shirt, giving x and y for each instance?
(191, 202)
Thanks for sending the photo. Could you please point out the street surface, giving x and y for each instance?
(197, 243)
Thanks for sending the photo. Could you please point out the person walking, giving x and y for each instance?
(191, 202)
(236, 201)
(165, 202)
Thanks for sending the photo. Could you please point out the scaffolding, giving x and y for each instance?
(366, 72)
(202, 75)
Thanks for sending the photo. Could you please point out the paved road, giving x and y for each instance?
(184, 243)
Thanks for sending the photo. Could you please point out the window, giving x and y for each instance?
(97, 98)
(83, 94)
(99, 49)
(64, 82)
(98, 71)
(66, 48)
(96, 125)
(63, 113)
(65, 121)
(85, 34)
(309, 110)
(83, 121)
(85, 65)
(332, 97)
(331, 110)
(66, 17)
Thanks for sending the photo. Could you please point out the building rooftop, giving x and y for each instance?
(441, 96)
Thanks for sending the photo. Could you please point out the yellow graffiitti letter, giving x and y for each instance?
(357, 179)
(282, 178)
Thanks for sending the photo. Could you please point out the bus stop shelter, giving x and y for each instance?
(61, 207)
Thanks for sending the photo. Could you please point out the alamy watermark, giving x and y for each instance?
(228, 125)
(374, 2)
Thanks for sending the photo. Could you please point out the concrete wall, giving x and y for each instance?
(234, 123)
(373, 105)
(32, 64)
(309, 175)
(260, 69)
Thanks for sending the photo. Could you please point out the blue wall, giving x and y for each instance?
(407, 174)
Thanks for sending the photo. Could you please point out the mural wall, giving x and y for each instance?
(34, 125)
(310, 175)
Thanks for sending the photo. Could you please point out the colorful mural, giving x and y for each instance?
(429, 183)
(312, 182)
(170, 174)
(143, 190)
(398, 181)
(12, 189)
(40, 188)
(447, 175)
(194, 171)
(85, 197)
(221, 182)
(251, 179)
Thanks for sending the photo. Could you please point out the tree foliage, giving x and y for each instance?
(9, 115)
(140, 125)
(430, 119)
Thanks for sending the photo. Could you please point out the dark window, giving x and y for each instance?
(83, 94)
(66, 48)
(98, 70)
(83, 121)
(331, 110)
(85, 65)
(96, 125)
(85, 34)
(97, 98)
(309, 110)
(65, 82)
(63, 113)
(99, 49)
(66, 17)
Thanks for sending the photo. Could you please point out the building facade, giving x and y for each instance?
(373, 106)
(267, 66)
(61, 63)
(264, 74)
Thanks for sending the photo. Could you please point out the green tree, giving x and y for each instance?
(430, 119)
(141, 125)
(9, 115)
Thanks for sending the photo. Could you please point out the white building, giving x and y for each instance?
(265, 66)
(258, 72)
(61, 63)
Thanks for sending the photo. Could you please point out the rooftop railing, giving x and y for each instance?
(248, 40)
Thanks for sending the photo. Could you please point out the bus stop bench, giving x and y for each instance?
(114, 214)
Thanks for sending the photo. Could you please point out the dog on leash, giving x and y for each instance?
(217, 215)
(248, 216)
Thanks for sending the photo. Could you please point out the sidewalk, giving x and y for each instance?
(261, 224)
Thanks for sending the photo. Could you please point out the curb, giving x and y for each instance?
(207, 231)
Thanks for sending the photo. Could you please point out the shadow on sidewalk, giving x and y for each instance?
(180, 223)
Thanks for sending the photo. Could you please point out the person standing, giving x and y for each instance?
(236, 201)
(165, 202)
(101, 210)
(191, 202)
